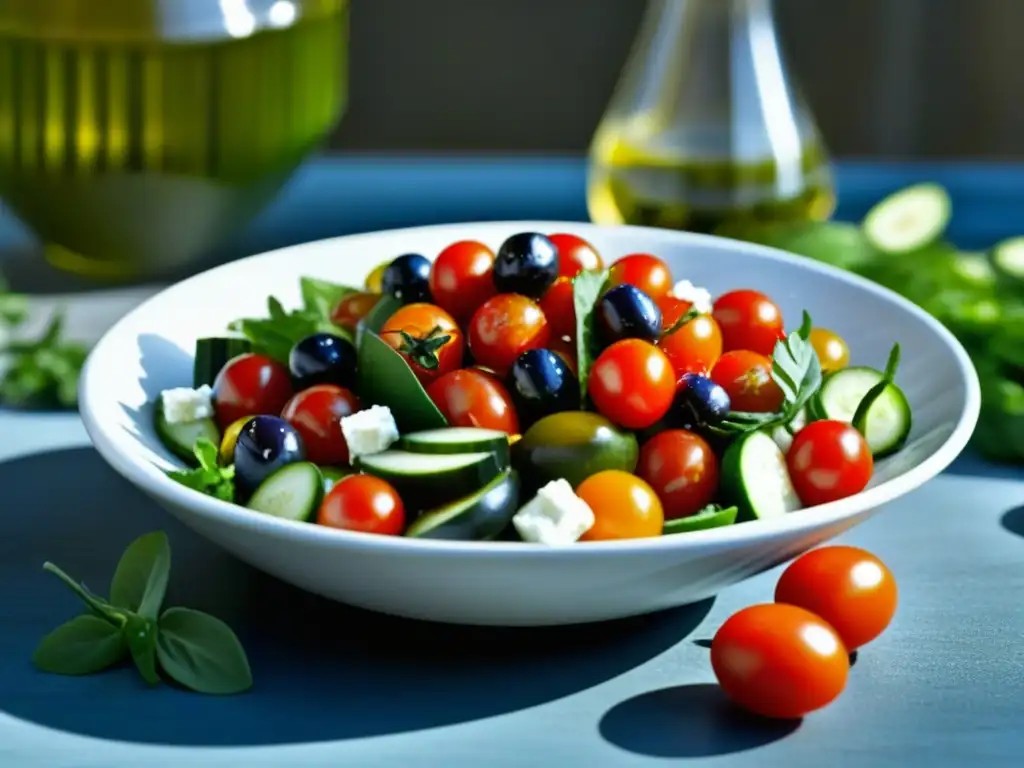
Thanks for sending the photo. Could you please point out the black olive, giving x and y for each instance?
(265, 444)
(527, 264)
(323, 359)
(626, 312)
(542, 384)
(700, 402)
(407, 278)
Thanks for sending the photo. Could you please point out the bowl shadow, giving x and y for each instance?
(164, 365)
(688, 721)
(1013, 521)
(322, 671)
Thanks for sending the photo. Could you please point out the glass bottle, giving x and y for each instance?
(706, 128)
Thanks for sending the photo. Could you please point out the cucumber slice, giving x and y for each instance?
(425, 481)
(293, 492)
(456, 440)
(1008, 260)
(887, 423)
(908, 220)
(756, 479)
(180, 439)
(212, 354)
(710, 517)
(480, 516)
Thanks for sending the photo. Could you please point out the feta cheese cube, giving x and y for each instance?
(556, 515)
(700, 298)
(184, 404)
(369, 431)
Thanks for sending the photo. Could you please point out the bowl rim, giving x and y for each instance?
(153, 481)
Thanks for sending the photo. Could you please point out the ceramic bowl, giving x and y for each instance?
(504, 583)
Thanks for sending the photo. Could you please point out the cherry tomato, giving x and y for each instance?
(830, 348)
(352, 308)
(574, 255)
(779, 661)
(567, 351)
(503, 328)
(694, 348)
(559, 308)
(316, 414)
(648, 273)
(849, 588)
(828, 461)
(749, 320)
(747, 379)
(363, 503)
(417, 332)
(462, 278)
(472, 398)
(624, 506)
(250, 385)
(682, 469)
(632, 383)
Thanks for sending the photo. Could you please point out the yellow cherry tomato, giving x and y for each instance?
(373, 280)
(226, 454)
(624, 506)
(833, 354)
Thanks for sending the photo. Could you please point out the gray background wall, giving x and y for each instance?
(885, 77)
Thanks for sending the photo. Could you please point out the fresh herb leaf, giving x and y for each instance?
(100, 607)
(587, 288)
(208, 477)
(711, 516)
(141, 634)
(275, 335)
(689, 315)
(83, 646)
(44, 370)
(423, 350)
(385, 378)
(201, 652)
(860, 416)
(374, 320)
(140, 580)
(13, 308)
(321, 296)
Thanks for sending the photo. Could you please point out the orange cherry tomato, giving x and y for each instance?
(503, 328)
(624, 506)
(474, 398)
(574, 255)
(462, 278)
(632, 383)
(828, 461)
(779, 661)
(363, 503)
(749, 320)
(682, 469)
(832, 352)
(747, 378)
(559, 308)
(849, 588)
(417, 332)
(648, 273)
(693, 348)
(352, 308)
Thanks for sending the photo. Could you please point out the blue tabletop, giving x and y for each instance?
(337, 686)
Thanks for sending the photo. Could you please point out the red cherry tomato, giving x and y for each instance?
(250, 385)
(316, 414)
(560, 310)
(574, 255)
(849, 588)
(425, 325)
(779, 661)
(747, 379)
(828, 461)
(693, 348)
(682, 469)
(632, 383)
(363, 503)
(462, 278)
(503, 328)
(749, 320)
(352, 308)
(648, 273)
(567, 351)
(472, 398)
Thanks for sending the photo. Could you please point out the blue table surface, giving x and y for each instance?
(336, 686)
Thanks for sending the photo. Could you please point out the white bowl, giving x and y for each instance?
(510, 583)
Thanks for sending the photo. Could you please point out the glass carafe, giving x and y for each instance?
(706, 128)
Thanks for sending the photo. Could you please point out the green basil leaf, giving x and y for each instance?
(206, 454)
(712, 516)
(796, 368)
(13, 308)
(201, 652)
(321, 296)
(587, 288)
(385, 378)
(374, 319)
(141, 634)
(140, 580)
(100, 607)
(82, 646)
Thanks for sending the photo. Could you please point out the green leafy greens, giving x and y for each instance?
(209, 477)
(196, 650)
(587, 288)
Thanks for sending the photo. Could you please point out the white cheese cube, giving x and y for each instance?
(700, 298)
(184, 404)
(369, 431)
(556, 515)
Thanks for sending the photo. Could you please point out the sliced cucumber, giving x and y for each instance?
(783, 436)
(755, 478)
(908, 220)
(179, 439)
(456, 440)
(1008, 261)
(293, 492)
(212, 354)
(425, 481)
(480, 516)
(887, 422)
(710, 517)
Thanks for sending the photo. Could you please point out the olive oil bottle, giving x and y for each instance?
(706, 129)
(136, 134)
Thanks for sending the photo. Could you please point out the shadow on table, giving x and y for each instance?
(322, 671)
(688, 721)
(1013, 521)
